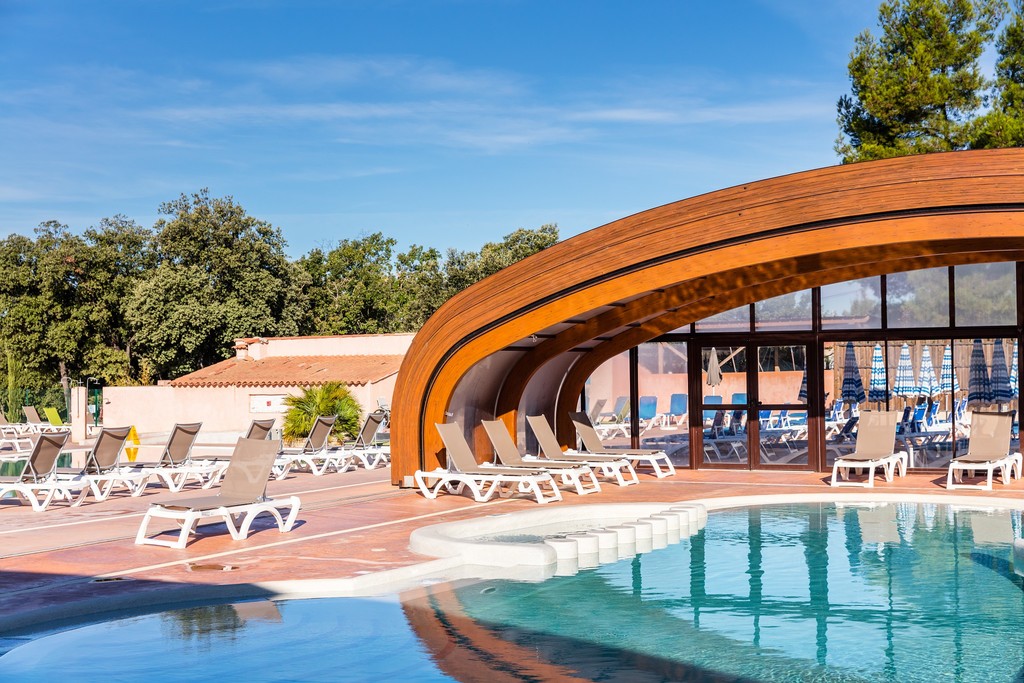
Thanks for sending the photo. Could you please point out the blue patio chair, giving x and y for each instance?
(905, 425)
(712, 400)
(847, 433)
(648, 407)
(649, 415)
(677, 407)
(918, 420)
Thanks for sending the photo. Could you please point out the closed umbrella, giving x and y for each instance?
(948, 380)
(927, 382)
(878, 389)
(1014, 387)
(714, 370)
(905, 385)
(979, 386)
(801, 395)
(853, 387)
(1001, 391)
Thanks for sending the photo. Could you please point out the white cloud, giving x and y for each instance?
(408, 74)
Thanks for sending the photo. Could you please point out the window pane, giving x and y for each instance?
(925, 403)
(725, 436)
(986, 294)
(856, 304)
(735, 320)
(664, 403)
(787, 312)
(918, 298)
(607, 393)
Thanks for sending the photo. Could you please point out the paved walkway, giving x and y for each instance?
(68, 562)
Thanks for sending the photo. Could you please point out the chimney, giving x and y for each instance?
(241, 350)
(257, 348)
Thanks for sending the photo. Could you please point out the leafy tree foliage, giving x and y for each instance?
(125, 304)
(1003, 126)
(362, 287)
(918, 87)
(221, 275)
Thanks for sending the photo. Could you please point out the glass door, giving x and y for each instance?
(781, 438)
(725, 408)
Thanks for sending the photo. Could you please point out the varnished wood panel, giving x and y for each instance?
(928, 205)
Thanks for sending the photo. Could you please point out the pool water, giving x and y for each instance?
(897, 592)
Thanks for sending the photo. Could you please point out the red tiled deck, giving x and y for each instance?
(351, 524)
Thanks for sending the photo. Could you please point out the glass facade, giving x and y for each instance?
(916, 343)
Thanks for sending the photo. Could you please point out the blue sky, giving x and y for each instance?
(446, 123)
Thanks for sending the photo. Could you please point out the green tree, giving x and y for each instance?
(120, 253)
(464, 268)
(331, 398)
(353, 286)
(361, 286)
(917, 88)
(1003, 126)
(221, 275)
(419, 285)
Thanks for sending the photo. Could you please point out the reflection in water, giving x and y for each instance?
(858, 593)
(205, 625)
(895, 593)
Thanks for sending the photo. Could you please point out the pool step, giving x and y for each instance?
(588, 549)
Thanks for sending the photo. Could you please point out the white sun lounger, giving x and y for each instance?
(610, 466)
(876, 436)
(483, 481)
(36, 483)
(176, 465)
(365, 449)
(103, 471)
(658, 461)
(242, 497)
(315, 454)
(987, 451)
(575, 474)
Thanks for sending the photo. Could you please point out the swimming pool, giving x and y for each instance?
(818, 592)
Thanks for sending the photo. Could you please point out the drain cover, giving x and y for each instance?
(196, 567)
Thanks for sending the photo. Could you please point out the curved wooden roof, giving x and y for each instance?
(611, 288)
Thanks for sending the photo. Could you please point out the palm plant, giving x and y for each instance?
(332, 398)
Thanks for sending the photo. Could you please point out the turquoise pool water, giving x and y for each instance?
(896, 593)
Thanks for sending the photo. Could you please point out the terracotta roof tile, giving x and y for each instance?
(292, 371)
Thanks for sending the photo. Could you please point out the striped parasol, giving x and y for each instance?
(979, 386)
(927, 382)
(853, 387)
(1014, 386)
(878, 389)
(905, 384)
(948, 380)
(1001, 391)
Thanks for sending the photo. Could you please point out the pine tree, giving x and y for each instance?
(918, 87)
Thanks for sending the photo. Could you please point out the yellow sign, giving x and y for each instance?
(132, 451)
